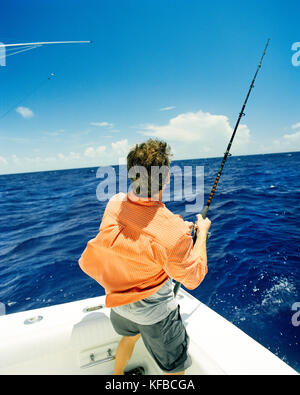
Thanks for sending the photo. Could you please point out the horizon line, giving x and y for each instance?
(176, 160)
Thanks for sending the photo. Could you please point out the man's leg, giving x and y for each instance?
(124, 352)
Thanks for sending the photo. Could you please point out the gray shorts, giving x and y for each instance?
(167, 341)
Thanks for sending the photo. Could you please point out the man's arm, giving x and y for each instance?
(202, 227)
(187, 263)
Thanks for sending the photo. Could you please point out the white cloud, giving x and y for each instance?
(102, 124)
(167, 108)
(70, 159)
(120, 147)
(191, 135)
(3, 161)
(16, 160)
(92, 152)
(56, 133)
(199, 134)
(189, 127)
(93, 155)
(292, 138)
(296, 125)
(288, 142)
(25, 112)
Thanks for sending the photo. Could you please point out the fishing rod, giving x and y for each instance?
(227, 153)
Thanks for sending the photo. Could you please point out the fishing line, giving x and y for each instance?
(50, 77)
(9, 51)
(227, 153)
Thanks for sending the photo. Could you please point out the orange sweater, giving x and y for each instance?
(140, 245)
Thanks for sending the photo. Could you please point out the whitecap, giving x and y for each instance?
(281, 293)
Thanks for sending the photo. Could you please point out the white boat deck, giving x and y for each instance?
(70, 340)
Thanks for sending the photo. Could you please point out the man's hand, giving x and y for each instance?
(190, 225)
(202, 225)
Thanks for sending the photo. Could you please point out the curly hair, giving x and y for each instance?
(152, 156)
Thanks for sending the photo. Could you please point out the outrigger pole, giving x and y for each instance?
(23, 47)
(227, 153)
(46, 43)
(37, 44)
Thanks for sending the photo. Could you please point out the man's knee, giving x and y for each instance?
(131, 339)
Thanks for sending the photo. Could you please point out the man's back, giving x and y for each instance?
(140, 245)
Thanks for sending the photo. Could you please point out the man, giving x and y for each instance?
(141, 246)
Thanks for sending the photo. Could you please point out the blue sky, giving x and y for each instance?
(174, 69)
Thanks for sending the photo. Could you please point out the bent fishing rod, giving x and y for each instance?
(227, 153)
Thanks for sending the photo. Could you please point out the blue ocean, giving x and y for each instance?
(46, 219)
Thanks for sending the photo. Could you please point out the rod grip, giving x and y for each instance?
(204, 215)
(204, 212)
